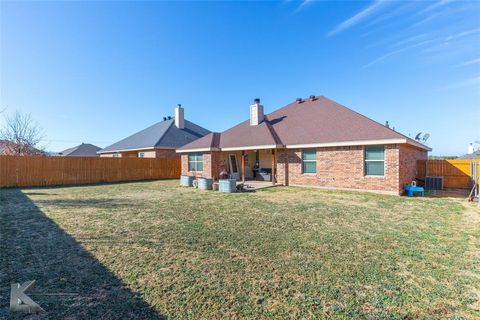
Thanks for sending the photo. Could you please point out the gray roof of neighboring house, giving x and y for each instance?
(82, 150)
(163, 134)
(471, 156)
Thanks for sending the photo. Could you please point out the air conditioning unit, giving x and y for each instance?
(434, 182)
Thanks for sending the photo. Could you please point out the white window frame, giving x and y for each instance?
(365, 161)
(314, 161)
(194, 161)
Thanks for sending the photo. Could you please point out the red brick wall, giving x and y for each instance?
(184, 158)
(211, 161)
(166, 153)
(408, 163)
(208, 161)
(339, 167)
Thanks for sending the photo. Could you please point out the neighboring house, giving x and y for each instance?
(9, 148)
(312, 142)
(159, 140)
(6, 148)
(470, 156)
(82, 150)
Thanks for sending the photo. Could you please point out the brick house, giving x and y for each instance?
(310, 142)
(159, 140)
(10, 148)
(82, 150)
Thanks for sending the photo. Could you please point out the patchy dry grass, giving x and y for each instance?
(152, 249)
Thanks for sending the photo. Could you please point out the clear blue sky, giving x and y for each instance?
(100, 71)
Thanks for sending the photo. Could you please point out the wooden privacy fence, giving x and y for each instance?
(455, 173)
(43, 171)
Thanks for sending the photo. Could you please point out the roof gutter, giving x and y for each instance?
(197, 150)
(418, 145)
(268, 146)
(260, 147)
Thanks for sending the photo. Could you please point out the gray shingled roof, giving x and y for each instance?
(163, 134)
(82, 150)
(471, 156)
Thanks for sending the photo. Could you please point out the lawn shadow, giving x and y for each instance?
(70, 282)
(28, 189)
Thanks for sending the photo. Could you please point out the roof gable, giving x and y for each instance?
(84, 149)
(163, 134)
(175, 137)
(325, 121)
(245, 135)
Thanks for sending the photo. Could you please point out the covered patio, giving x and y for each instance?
(257, 165)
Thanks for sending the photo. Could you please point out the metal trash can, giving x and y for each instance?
(205, 183)
(227, 185)
(186, 181)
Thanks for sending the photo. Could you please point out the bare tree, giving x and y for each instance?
(22, 135)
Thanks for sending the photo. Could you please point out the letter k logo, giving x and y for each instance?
(19, 301)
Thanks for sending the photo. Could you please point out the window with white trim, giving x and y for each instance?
(195, 161)
(309, 160)
(375, 161)
(141, 154)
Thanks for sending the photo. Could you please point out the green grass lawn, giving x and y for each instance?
(152, 249)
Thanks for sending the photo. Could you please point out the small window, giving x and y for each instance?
(116, 155)
(309, 161)
(195, 161)
(375, 161)
(141, 154)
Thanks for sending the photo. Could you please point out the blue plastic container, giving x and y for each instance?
(410, 190)
(227, 185)
(186, 181)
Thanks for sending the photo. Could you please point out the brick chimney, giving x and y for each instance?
(256, 113)
(179, 117)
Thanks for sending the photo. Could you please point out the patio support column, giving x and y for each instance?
(273, 166)
(243, 166)
(284, 157)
